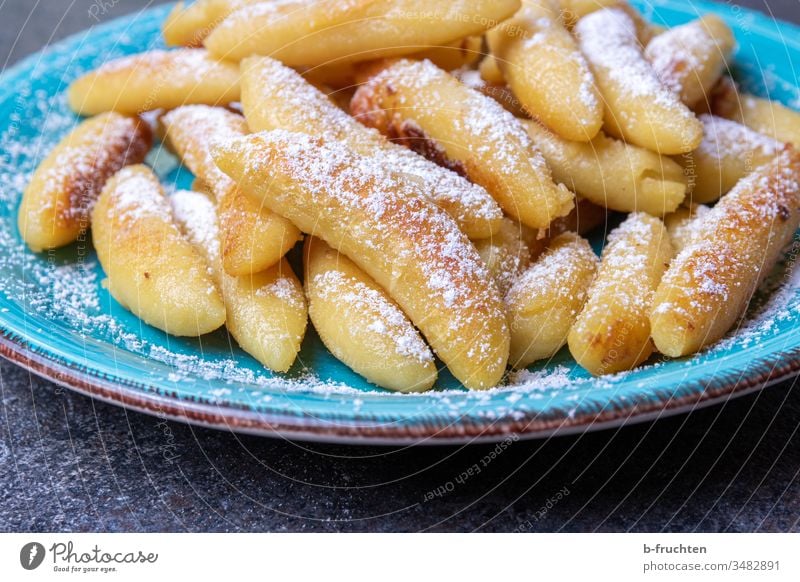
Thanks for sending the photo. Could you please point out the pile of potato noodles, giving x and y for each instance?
(442, 165)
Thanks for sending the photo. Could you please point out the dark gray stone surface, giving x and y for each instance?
(72, 464)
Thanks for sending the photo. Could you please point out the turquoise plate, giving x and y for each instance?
(58, 321)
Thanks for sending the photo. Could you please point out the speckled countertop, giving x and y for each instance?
(73, 464)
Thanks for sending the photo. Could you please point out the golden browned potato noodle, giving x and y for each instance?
(252, 237)
(155, 80)
(276, 97)
(282, 29)
(610, 173)
(770, 118)
(710, 283)
(265, 312)
(152, 270)
(545, 300)
(612, 332)
(690, 59)
(490, 71)
(544, 67)
(303, 33)
(382, 222)
(637, 105)
(762, 115)
(729, 151)
(425, 108)
(190, 25)
(361, 325)
(57, 201)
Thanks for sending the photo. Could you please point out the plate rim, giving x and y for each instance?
(308, 428)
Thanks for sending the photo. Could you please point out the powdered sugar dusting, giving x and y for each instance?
(193, 130)
(198, 219)
(186, 64)
(388, 320)
(63, 297)
(136, 197)
(679, 53)
(728, 139)
(498, 133)
(282, 288)
(558, 377)
(299, 106)
(386, 214)
(608, 40)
